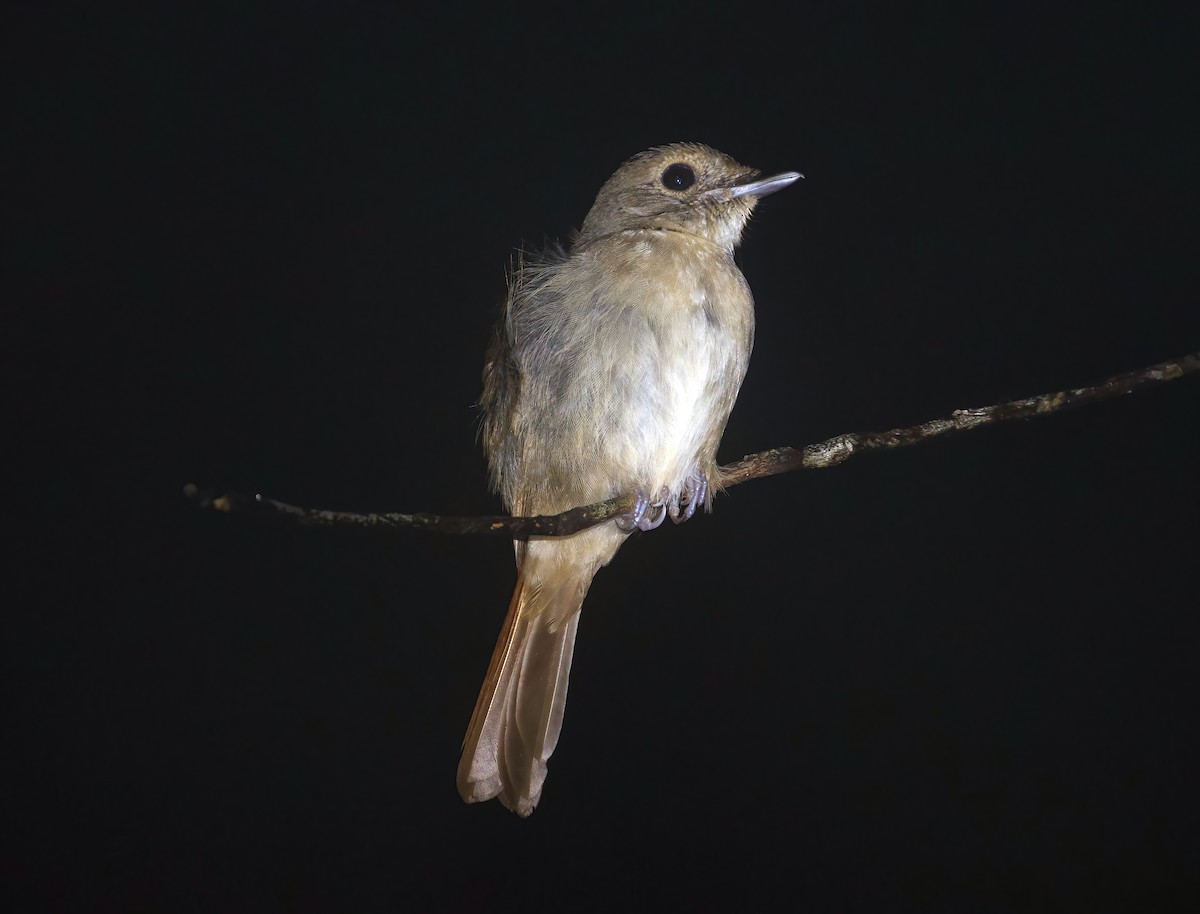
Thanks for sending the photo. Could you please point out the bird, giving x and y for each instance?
(612, 371)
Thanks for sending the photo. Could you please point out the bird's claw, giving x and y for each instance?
(654, 523)
(639, 517)
(678, 509)
(635, 517)
(696, 493)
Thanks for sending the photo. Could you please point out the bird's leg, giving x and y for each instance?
(635, 518)
(697, 492)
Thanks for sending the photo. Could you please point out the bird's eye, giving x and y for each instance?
(678, 177)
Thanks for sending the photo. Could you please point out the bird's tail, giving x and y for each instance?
(519, 712)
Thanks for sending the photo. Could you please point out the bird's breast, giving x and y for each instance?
(698, 321)
(630, 356)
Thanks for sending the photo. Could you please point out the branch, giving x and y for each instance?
(753, 466)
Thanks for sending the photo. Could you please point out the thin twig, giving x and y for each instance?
(515, 527)
(753, 466)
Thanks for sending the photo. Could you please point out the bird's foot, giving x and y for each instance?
(640, 517)
(692, 498)
(634, 518)
(653, 523)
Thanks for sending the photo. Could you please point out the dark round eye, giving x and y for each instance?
(678, 177)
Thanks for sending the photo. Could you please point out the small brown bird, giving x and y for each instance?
(612, 371)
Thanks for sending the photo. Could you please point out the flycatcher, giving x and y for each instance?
(612, 371)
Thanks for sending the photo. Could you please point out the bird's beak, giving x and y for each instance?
(766, 185)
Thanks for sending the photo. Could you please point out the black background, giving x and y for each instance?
(261, 247)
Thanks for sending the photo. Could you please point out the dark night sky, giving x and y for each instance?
(262, 248)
